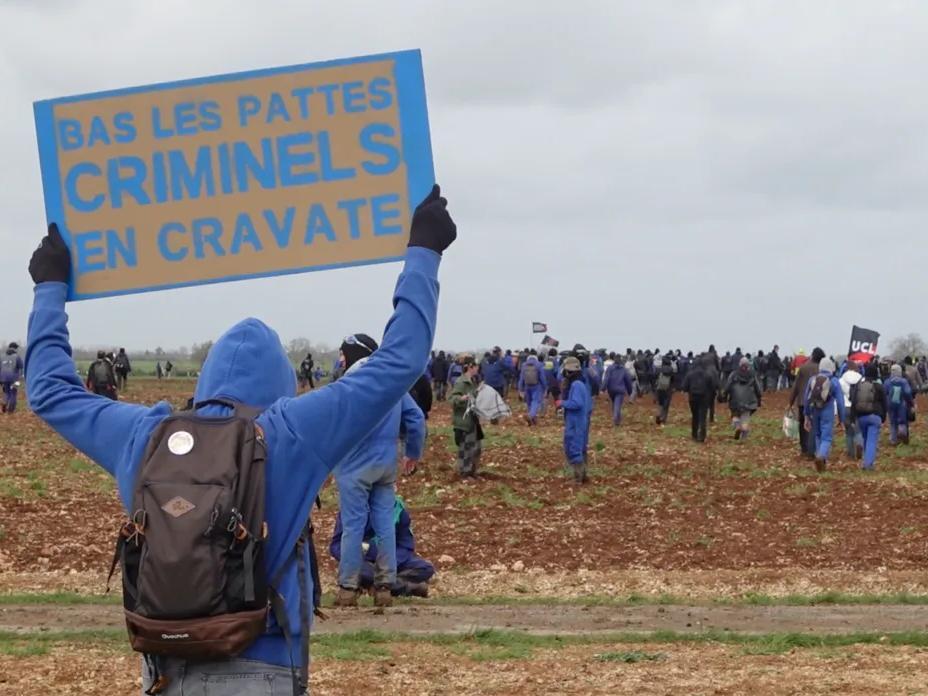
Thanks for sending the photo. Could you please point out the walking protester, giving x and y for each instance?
(619, 386)
(101, 379)
(159, 371)
(663, 389)
(852, 435)
(630, 370)
(510, 373)
(552, 375)
(807, 370)
(123, 367)
(366, 479)
(576, 419)
(492, 371)
(899, 401)
(593, 376)
(307, 365)
(439, 370)
(910, 372)
(455, 370)
(744, 398)
(304, 438)
(701, 384)
(11, 372)
(468, 435)
(774, 370)
(168, 369)
(868, 406)
(532, 386)
(823, 393)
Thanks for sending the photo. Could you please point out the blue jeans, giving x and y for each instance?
(617, 401)
(852, 436)
(898, 422)
(234, 677)
(870, 429)
(823, 429)
(367, 493)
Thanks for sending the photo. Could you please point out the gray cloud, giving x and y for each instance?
(657, 173)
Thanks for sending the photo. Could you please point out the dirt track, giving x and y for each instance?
(538, 619)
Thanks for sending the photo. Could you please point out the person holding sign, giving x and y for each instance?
(305, 437)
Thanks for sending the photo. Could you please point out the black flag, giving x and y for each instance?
(863, 345)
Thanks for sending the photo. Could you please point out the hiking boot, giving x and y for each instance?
(820, 464)
(737, 434)
(858, 452)
(383, 597)
(347, 597)
(417, 589)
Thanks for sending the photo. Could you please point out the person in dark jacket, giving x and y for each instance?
(701, 383)
(101, 379)
(868, 408)
(899, 401)
(807, 371)
(11, 371)
(439, 369)
(744, 396)
(663, 389)
(774, 370)
(412, 571)
(123, 367)
(305, 436)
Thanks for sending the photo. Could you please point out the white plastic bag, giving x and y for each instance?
(791, 425)
(489, 405)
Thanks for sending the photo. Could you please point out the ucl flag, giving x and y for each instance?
(863, 346)
(539, 327)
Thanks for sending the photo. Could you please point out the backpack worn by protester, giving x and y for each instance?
(863, 398)
(8, 365)
(101, 374)
(664, 382)
(896, 395)
(192, 551)
(821, 391)
(122, 363)
(530, 376)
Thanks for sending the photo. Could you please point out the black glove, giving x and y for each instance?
(51, 262)
(432, 226)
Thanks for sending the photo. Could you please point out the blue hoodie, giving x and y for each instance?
(306, 435)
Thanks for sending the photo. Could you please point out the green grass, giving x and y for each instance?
(493, 645)
(629, 656)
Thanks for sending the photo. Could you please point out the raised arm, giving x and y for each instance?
(97, 426)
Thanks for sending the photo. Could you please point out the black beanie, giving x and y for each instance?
(362, 347)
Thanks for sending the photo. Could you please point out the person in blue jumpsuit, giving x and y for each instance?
(412, 571)
(366, 481)
(11, 371)
(532, 386)
(899, 399)
(577, 407)
(820, 418)
(306, 436)
(493, 372)
(618, 385)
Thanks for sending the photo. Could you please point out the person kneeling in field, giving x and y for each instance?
(197, 607)
(412, 571)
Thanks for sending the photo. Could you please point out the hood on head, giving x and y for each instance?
(827, 365)
(248, 365)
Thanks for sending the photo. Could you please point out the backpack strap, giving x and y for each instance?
(240, 410)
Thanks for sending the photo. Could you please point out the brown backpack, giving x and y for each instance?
(192, 550)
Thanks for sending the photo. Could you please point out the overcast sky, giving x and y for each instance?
(632, 173)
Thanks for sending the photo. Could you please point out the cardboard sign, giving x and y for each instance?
(236, 176)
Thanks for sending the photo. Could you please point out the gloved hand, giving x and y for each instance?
(51, 262)
(432, 226)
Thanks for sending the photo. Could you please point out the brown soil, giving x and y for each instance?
(561, 620)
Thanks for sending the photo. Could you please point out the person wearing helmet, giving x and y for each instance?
(576, 419)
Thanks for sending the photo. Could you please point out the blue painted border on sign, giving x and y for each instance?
(414, 125)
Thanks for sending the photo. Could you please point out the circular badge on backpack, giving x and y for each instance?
(180, 443)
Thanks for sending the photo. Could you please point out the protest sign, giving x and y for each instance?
(236, 176)
(863, 346)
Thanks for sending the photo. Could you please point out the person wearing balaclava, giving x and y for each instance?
(366, 481)
(11, 371)
(823, 395)
(576, 406)
(899, 400)
(305, 436)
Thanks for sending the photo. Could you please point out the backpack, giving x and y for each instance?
(821, 391)
(192, 550)
(101, 374)
(8, 365)
(863, 398)
(664, 381)
(122, 362)
(896, 395)
(530, 376)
